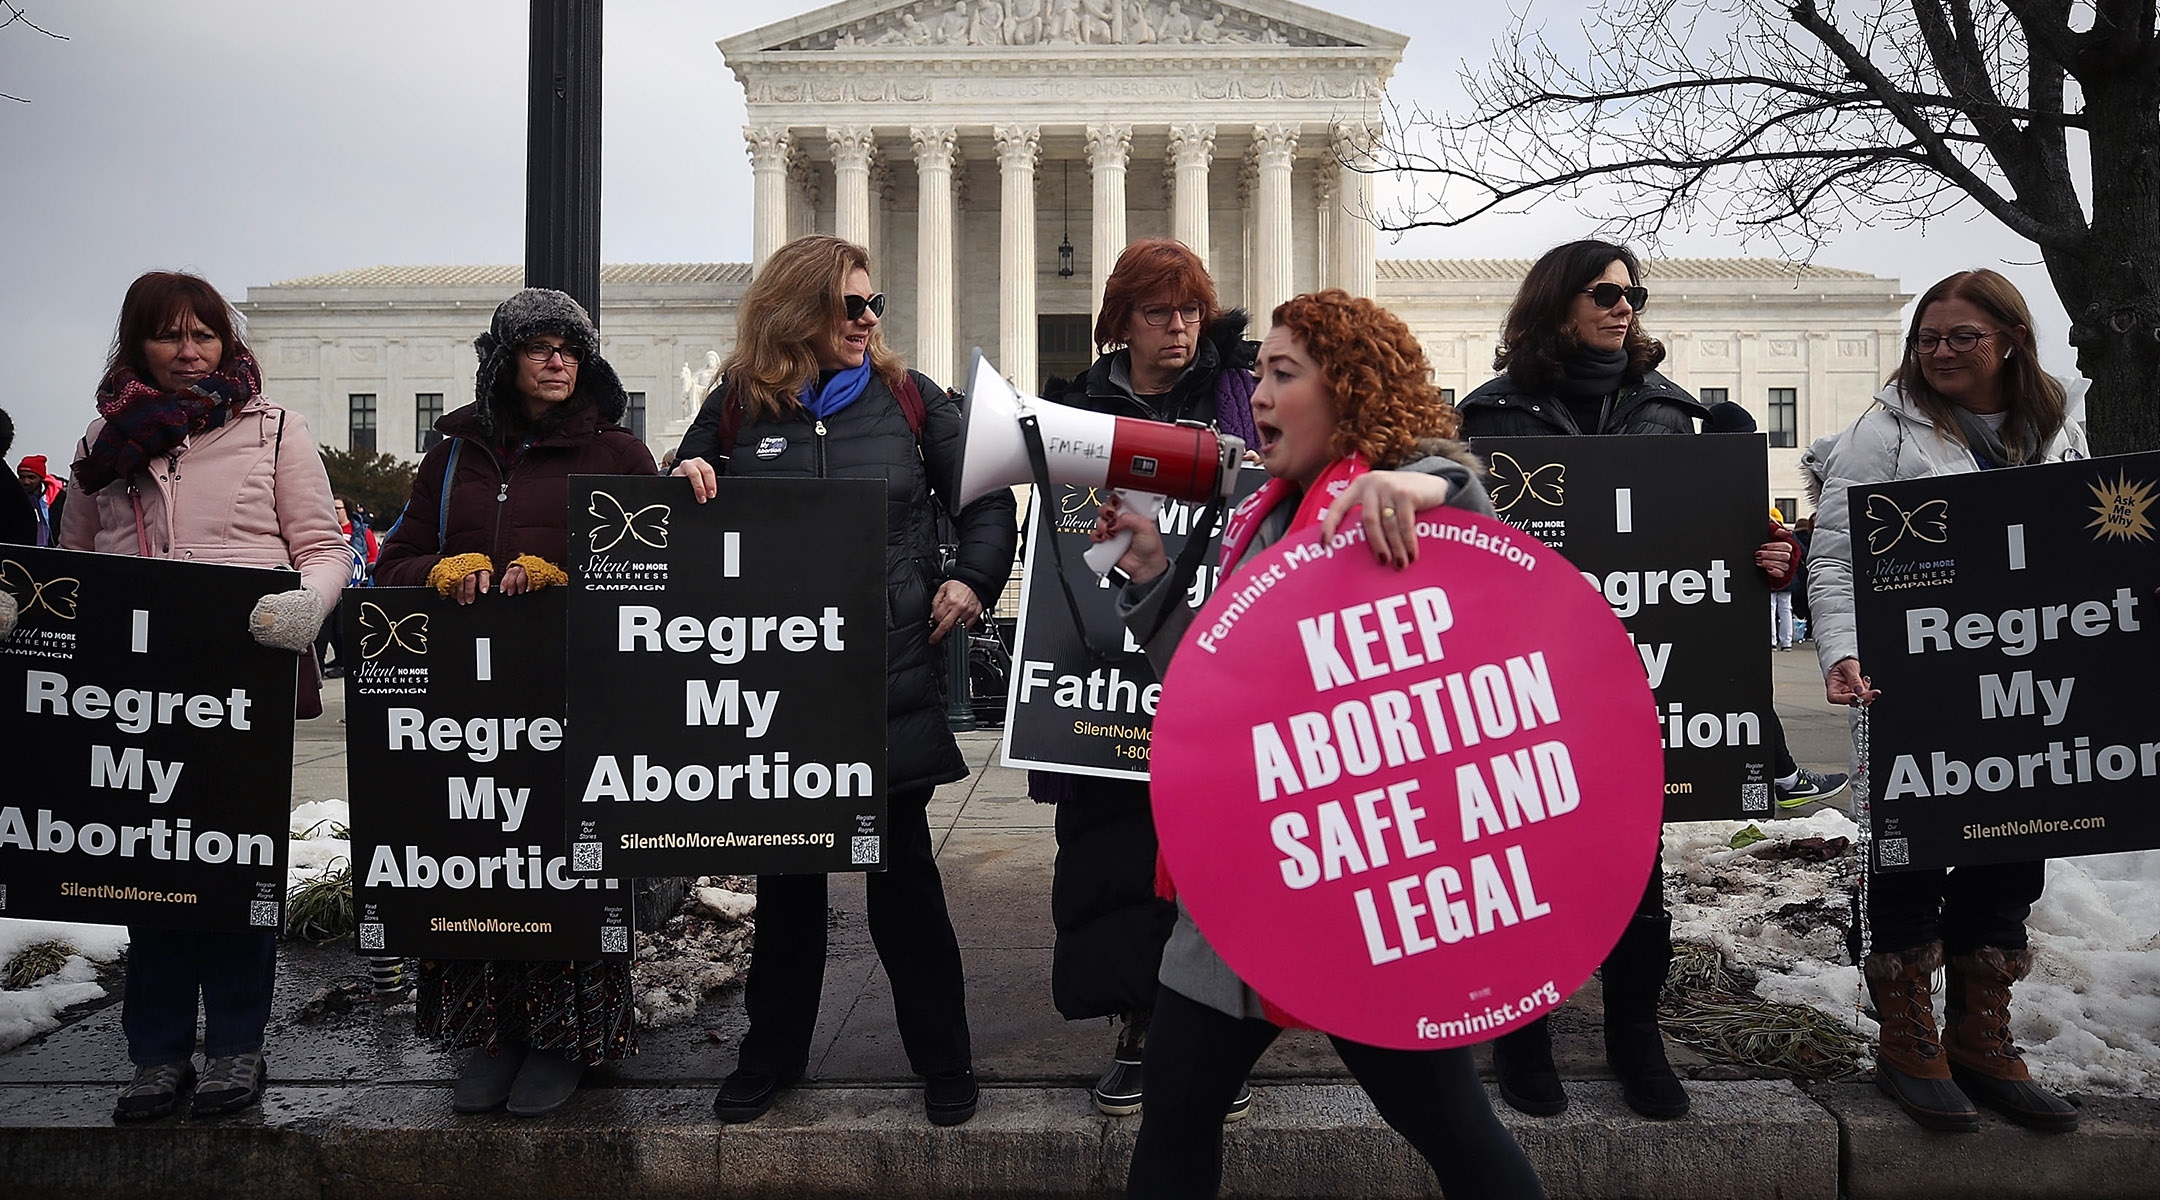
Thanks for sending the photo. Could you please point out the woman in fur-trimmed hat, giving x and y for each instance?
(546, 406)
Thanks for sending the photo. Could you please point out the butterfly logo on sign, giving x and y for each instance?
(379, 631)
(56, 596)
(1511, 482)
(1927, 522)
(648, 525)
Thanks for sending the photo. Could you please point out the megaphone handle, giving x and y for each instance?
(1103, 556)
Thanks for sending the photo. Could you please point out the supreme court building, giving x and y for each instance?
(995, 156)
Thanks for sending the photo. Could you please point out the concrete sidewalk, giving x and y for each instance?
(360, 1108)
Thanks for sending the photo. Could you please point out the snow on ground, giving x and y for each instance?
(2088, 1018)
(28, 1012)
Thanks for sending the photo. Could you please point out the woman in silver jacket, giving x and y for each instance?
(1969, 396)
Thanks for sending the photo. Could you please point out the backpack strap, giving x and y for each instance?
(911, 405)
(442, 510)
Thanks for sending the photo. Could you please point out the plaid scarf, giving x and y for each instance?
(143, 421)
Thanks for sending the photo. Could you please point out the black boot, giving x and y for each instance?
(1528, 1081)
(1634, 1046)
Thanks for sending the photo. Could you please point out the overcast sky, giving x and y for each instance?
(258, 140)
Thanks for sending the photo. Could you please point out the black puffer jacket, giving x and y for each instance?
(1503, 408)
(870, 439)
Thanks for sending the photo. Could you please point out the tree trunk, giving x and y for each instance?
(2110, 283)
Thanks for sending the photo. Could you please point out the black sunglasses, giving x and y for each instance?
(856, 305)
(1608, 295)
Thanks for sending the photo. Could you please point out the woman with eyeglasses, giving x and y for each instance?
(490, 511)
(1574, 360)
(1168, 353)
(188, 460)
(1969, 396)
(811, 391)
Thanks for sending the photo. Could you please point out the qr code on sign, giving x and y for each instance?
(585, 856)
(1754, 797)
(863, 851)
(615, 939)
(3, 897)
(262, 914)
(371, 935)
(1893, 852)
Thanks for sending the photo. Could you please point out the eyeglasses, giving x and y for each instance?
(1609, 295)
(540, 352)
(1962, 341)
(1158, 315)
(856, 305)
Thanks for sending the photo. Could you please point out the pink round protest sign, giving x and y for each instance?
(1410, 808)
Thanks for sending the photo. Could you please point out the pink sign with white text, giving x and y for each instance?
(1410, 808)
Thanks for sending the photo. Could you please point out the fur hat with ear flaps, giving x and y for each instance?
(526, 315)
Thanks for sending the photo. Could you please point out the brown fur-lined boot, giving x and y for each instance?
(1910, 1066)
(1983, 1059)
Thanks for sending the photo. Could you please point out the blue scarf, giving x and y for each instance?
(841, 390)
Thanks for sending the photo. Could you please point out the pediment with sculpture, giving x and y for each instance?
(1051, 23)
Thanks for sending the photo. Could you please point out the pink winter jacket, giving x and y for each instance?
(237, 496)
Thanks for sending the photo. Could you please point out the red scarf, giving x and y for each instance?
(1245, 522)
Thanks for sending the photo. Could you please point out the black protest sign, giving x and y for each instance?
(2009, 619)
(454, 752)
(727, 676)
(1667, 528)
(150, 743)
(1086, 705)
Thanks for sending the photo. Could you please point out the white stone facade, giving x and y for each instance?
(963, 140)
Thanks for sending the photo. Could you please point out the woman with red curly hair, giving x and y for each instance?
(1348, 418)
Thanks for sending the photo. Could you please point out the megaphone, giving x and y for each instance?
(1149, 461)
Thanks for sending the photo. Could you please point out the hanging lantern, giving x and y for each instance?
(1065, 250)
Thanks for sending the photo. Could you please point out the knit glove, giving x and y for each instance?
(449, 572)
(7, 614)
(539, 572)
(287, 620)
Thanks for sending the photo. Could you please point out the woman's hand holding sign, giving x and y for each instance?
(1391, 500)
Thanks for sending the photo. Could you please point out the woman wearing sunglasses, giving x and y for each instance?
(811, 391)
(1969, 396)
(1574, 360)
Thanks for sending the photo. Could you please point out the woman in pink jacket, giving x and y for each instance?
(187, 460)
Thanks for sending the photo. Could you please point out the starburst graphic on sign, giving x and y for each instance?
(2125, 509)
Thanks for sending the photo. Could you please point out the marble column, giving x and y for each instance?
(1274, 151)
(1017, 147)
(851, 147)
(1191, 148)
(768, 148)
(1351, 254)
(802, 193)
(934, 250)
(1109, 147)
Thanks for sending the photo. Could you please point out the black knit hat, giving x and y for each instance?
(528, 314)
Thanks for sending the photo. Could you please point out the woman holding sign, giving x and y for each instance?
(187, 460)
(490, 511)
(812, 392)
(1574, 360)
(1969, 396)
(1348, 418)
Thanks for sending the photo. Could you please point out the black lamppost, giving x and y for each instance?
(1065, 267)
(562, 151)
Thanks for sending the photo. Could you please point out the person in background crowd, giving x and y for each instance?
(187, 460)
(1969, 396)
(545, 407)
(1323, 430)
(813, 388)
(18, 516)
(330, 643)
(1167, 354)
(1574, 360)
(1804, 533)
(1781, 606)
(48, 497)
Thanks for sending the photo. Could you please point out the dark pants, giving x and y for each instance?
(1782, 764)
(1965, 907)
(1197, 1057)
(168, 968)
(914, 938)
(330, 639)
(1111, 926)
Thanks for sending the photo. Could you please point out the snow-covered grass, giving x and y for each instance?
(2088, 1017)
